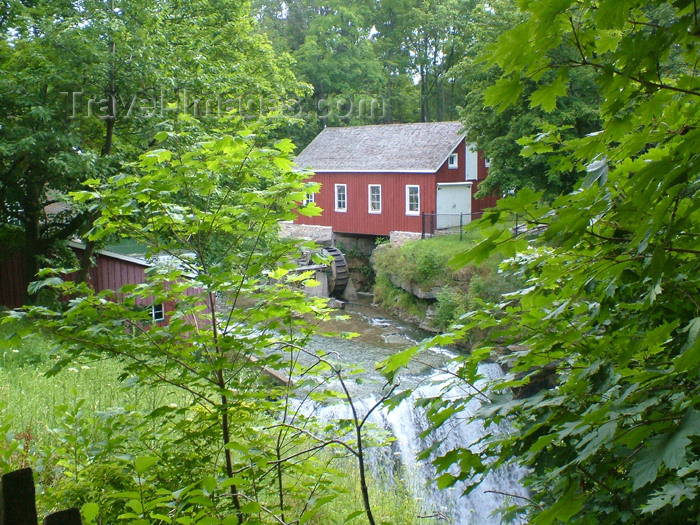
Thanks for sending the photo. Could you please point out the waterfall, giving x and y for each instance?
(406, 422)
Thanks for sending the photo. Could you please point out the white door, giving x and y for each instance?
(453, 199)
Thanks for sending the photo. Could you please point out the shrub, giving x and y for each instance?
(449, 306)
(425, 263)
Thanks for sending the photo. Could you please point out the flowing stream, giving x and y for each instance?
(428, 375)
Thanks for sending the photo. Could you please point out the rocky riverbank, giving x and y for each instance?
(415, 281)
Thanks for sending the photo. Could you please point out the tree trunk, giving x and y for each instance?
(423, 96)
(33, 245)
(442, 98)
(387, 116)
(86, 258)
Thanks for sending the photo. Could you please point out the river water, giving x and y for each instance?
(427, 375)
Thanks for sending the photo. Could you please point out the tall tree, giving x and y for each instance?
(602, 349)
(435, 31)
(497, 131)
(87, 84)
(400, 51)
(332, 44)
(390, 20)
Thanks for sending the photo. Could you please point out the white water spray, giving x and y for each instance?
(406, 423)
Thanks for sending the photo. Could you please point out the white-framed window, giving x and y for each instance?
(374, 198)
(487, 163)
(341, 197)
(158, 312)
(412, 199)
(452, 161)
(310, 197)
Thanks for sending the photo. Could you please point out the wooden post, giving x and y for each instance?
(64, 517)
(17, 503)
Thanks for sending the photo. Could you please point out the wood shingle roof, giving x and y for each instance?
(419, 148)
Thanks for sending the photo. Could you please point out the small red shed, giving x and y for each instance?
(111, 271)
(378, 179)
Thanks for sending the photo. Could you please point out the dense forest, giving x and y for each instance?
(174, 125)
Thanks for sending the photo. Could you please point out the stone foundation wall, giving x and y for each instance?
(320, 234)
(364, 244)
(396, 237)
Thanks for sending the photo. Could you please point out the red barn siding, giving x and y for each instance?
(11, 281)
(108, 273)
(111, 273)
(458, 174)
(358, 220)
(479, 205)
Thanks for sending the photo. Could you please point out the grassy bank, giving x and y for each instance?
(391, 500)
(424, 265)
(34, 398)
(74, 427)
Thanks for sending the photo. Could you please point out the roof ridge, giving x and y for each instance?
(395, 124)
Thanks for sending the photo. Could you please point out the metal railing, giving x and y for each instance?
(446, 223)
(452, 223)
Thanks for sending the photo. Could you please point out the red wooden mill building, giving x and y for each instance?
(379, 179)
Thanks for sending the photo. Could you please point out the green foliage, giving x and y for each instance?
(239, 449)
(448, 308)
(394, 503)
(424, 40)
(423, 263)
(367, 272)
(609, 314)
(30, 386)
(397, 300)
(332, 51)
(560, 105)
(426, 265)
(86, 86)
(18, 351)
(402, 53)
(77, 461)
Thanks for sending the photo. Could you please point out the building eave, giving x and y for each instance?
(113, 255)
(349, 172)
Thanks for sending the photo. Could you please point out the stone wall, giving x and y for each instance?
(363, 244)
(320, 234)
(401, 237)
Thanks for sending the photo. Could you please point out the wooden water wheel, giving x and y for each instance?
(338, 275)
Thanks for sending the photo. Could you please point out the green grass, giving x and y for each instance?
(397, 300)
(452, 243)
(424, 262)
(31, 398)
(389, 496)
